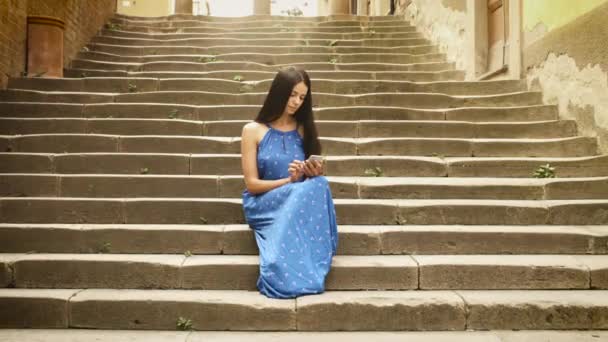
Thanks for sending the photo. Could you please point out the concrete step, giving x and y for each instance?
(370, 41)
(121, 23)
(348, 211)
(248, 112)
(240, 272)
(408, 32)
(230, 164)
(353, 240)
(329, 86)
(330, 311)
(261, 28)
(412, 76)
(256, 18)
(269, 59)
(85, 335)
(252, 66)
(212, 186)
(333, 128)
(442, 147)
(411, 100)
(134, 50)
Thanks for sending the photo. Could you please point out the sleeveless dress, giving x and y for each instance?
(294, 224)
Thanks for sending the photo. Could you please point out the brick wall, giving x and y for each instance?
(83, 18)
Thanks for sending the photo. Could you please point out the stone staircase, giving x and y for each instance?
(121, 188)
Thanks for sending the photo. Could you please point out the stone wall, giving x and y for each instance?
(570, 65)
(441, 21)
(82, 20)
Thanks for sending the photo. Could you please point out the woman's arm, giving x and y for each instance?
(249, 150)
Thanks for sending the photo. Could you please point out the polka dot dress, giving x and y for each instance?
(294, 224)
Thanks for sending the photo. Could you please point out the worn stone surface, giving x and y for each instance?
(536, 309)
(383, 311)
(159, 309)
(34, 308)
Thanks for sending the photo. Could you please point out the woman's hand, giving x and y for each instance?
(313, 168)
(296, 170)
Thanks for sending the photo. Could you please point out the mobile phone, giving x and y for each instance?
(316, 157)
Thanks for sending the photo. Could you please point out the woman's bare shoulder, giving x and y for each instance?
(254, 129)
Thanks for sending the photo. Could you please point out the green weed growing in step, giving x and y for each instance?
(112, 26)
(208, 59)
(333, 60)
(371, 32)
(246, 88)
(374, 172)
(173, 113)
(435, 154)
(105, 247)
(238, 78)
(84, 49)
(188, 254)
(400, 219)
(203, 220)
(333, 43)
(544, 171)
(83, 74)
(132, 88)
(144, 170)
(184, 324)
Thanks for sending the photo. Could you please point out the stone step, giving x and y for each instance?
(256, 18)
(263, 28)
(240, 272)
(134, 50)
(251, 66)
(230, 164)
(330, 311)
(333, 128)
(353, 240)
(411, 100)
(220, 186)
(248, 112)
(348, 211)
(328, 86)
(441, 147)
(408, 32)
(253, 23)
(85, 335)
(369, 41)
(267, 59)
(412, 76)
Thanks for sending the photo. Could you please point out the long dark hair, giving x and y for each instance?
(277, 98)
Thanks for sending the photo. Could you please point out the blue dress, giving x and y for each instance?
(294, 224)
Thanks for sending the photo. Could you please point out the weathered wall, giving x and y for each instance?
(440, 21)
(145, 8)
(82, 20)
(569, 64)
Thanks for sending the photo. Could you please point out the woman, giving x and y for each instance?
(288, 202)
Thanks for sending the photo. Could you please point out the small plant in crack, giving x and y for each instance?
(173, 113)
(112, 26)
(105, 247)
(203, 220)
(132, 87)
(188, 254)
(144, 171)
(184, 324)
(400, 219)
(333, 43)
(544, 171)
(374, 172)
(333, 60)
(207, 59)
(238, 78)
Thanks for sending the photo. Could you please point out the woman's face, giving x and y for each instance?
(298, 93)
